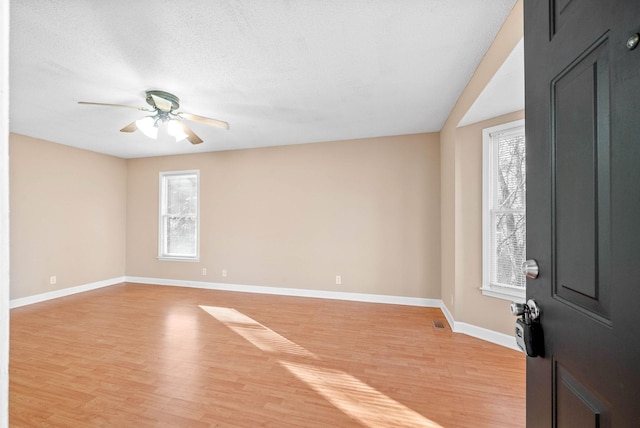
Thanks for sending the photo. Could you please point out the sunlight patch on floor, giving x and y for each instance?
(347, 393)
(357, 399)
(262, 337)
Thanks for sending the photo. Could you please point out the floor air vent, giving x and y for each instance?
(438, 324)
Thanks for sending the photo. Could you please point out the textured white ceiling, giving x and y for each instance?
(279, 71)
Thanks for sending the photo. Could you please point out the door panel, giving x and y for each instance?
(577, 406)
(582, 104)
(560, 9)
(580, 180)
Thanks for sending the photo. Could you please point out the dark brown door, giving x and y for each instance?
(583, 210)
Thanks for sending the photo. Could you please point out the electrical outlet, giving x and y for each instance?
(53, 280)
(338, 279)
(224, 273)
(204, 271)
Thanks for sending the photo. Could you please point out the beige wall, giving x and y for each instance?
(297, 216)
(67, 216)
(447, 213)
(457, 225)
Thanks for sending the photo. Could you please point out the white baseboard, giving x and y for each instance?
(505, 340)
(16, 303)
(448, 315)
(456, 326)
(482, 333)
(297, 292)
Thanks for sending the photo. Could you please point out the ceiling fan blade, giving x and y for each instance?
(161, 103)
(114, 105)
(204, 120)
(191, 136)
(130, 127)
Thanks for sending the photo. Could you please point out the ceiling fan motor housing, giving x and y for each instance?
(175, 101)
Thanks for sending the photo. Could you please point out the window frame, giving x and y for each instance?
(162, 204)
(488, 288)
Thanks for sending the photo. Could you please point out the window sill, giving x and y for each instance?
(178, 259)
(518, 296)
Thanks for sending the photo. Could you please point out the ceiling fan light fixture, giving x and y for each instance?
(165, 118)
(174, 128)
(148, 126)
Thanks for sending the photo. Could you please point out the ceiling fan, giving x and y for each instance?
(164, 106)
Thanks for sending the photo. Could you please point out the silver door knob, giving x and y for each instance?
(518, 309)
(530, 269)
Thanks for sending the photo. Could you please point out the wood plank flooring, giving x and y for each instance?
(135, 355)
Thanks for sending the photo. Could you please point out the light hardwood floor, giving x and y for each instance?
(135, 355)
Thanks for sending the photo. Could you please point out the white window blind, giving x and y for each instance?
(179, 222)
(504, 211)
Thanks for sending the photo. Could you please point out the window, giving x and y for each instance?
(178, 237)
(503, 211)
